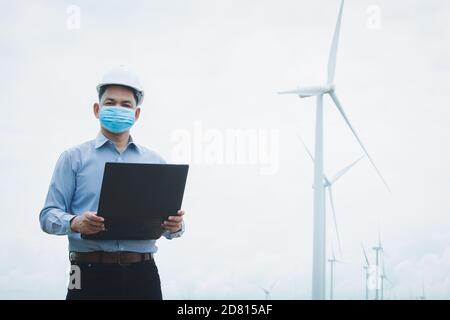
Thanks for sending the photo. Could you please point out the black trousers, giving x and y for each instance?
(103, 281)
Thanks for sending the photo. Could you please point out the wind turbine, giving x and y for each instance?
(332, 261)
(328, 185)
(268, 291)
(383, 278)
(378, 250)
(319, 241)
(423, 296)
(366, 268)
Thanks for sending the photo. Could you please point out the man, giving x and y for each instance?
(108, 269)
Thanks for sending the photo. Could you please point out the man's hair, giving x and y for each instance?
(103, 89)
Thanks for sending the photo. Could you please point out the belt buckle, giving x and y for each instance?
(119, 261)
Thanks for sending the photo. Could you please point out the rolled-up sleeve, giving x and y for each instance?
(55, 217)
(168, 235)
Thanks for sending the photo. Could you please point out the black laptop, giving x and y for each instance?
(136, 198)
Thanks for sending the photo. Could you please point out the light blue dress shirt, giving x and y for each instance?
(75, 189)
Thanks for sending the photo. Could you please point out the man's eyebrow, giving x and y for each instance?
(127, 101)
(114, 100)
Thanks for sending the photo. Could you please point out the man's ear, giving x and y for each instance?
(96, 108)
(138, 112)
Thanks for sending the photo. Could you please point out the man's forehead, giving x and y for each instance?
(118, 93)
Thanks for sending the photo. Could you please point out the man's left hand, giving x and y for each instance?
(174, 223)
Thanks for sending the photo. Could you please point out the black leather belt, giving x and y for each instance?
(117, 257)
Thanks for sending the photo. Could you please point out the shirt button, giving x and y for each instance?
(119, 159)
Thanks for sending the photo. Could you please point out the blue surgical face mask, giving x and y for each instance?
(116, 119)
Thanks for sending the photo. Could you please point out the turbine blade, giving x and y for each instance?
(365, 255)
(273, 285)
(380, 245)
(346, 169)
(384, 274)
(341, 110)
(296, 91)
(262, 288)
(325, 178)
(330, 193)
(306, 91)
(306, 148)
(379, 238)
(334, 46)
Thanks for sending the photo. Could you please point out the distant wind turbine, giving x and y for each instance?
(378, 251)
(328, 185)
(332, 262)
(267, 292)
(383, 278)
(423, 296)
(366, 268)
(319, 241)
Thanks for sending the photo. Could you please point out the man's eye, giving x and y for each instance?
(108, 103)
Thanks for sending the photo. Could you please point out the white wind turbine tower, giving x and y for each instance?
(366, 269)
(319, 241)
(378, 250)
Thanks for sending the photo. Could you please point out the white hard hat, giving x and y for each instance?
(124, 77)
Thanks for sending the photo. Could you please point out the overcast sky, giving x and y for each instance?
(210, 70)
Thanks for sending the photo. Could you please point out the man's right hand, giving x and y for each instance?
(87, 223)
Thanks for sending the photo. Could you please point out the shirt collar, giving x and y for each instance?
(131, 142)
(100, 140)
